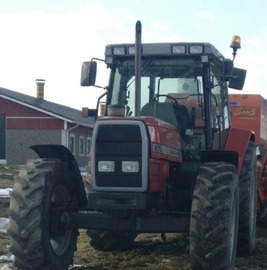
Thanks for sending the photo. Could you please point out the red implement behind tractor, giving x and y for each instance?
(250, 112)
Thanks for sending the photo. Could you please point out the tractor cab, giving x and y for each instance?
(183, 84)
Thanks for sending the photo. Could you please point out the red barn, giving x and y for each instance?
(26, 121)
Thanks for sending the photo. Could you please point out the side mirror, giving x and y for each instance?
(237, 79)
(228, 69)
(88, 75)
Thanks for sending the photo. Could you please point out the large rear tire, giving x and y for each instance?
(247, 203)
(39, 185)
(214, 217)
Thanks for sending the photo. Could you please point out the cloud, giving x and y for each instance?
(52, 43)
(204, 14)
(39, 44)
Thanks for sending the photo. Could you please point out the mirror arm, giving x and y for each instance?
(98, 59)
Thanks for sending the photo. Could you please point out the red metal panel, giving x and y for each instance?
(237, 141)
(165, 140)
(159, 172)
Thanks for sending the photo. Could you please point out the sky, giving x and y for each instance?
(49, 39)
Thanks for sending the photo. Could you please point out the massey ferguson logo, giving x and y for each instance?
(244, 112)
(163, 149)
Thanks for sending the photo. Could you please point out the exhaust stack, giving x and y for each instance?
(40, 88)
(138, 44)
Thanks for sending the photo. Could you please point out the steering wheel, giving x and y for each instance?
(174, 100)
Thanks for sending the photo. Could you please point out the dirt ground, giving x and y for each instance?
(150, 251)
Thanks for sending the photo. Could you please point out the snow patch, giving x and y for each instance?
(5, 258)
(4, 193)
(3, 225)
(5, 267)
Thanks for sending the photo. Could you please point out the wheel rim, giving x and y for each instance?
(60, 243)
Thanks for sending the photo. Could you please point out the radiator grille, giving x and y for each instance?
(119, 141)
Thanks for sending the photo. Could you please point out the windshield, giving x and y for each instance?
(174, 90)
(166, 80)
(161, 80)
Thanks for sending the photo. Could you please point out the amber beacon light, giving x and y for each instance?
(235, 44)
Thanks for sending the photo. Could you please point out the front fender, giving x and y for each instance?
(64, 154)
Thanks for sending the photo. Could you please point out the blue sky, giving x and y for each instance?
(49, 39)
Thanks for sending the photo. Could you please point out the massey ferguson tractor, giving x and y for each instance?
(164, 158)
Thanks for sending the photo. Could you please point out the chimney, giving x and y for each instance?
(40, 88)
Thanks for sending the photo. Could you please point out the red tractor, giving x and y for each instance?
(164, 158)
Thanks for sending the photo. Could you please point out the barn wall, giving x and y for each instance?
(26, 126)
(19, 141)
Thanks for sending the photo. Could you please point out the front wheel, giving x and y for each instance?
(214, 217)
(39, 186)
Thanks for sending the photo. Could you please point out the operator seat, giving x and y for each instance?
(184, 120)
(182, 116)
(176, 115)
(161, 110)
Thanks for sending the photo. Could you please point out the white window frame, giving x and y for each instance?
(88, 145)
(81, 146)
(73, 142)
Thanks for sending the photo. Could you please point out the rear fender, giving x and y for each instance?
(237, 141)
(64, 154)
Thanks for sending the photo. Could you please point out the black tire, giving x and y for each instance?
(87, 185)
(247, 203)
(39, 184)
(214, 217)
(262, 222)
(111, 241)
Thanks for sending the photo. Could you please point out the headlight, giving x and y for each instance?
(195, 49)
(106, 166)
(131, 50)
(119, 51)
(179, 49)
(130, 166)
(109, 60)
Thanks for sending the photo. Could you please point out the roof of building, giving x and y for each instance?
(59, 111)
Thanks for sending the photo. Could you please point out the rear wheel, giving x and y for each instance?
(247, 203)
(214, 217)
(39, 186)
